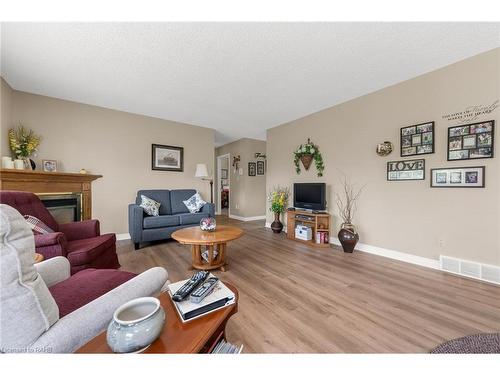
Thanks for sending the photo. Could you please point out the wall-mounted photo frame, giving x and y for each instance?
(406, 170)
(472, 141)
(458, 177)
(223, 174)
(167, 158)
(252, 168)
(417, 139)
(261, 167)
(49, 165)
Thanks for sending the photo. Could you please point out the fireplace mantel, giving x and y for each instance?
(51, 183)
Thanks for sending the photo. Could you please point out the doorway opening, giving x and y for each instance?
(223, 185)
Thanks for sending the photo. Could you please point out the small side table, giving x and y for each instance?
(216, 240)
(38, 258)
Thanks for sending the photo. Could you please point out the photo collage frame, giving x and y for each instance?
(472, 141)
(417, 139)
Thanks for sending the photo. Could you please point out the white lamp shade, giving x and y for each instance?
(201, 170)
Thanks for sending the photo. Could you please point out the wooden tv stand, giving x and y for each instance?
(318, 222)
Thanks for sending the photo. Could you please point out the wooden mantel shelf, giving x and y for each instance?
(39, 182)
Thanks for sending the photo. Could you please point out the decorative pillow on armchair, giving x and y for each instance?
(195, 203)
(37, 225)
(150, 206)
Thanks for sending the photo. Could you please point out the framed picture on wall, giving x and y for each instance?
(473, 141)
(223, 174)
(459, 177)
(417, 139)
(167, 158)
(251, 168)
(406, 170)
(260, 167)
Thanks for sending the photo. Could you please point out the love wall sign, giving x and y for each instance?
(406, 170)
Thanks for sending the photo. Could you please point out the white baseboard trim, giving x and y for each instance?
(247, 218)
(392, 254)
(122, 236)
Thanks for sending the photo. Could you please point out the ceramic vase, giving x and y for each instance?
(276, 225)
(348, 237)
(135, 325)
(19, 164)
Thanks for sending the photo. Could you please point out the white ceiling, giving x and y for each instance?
(237, 78)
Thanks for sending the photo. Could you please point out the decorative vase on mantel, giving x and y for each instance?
(348, 237)
(276, 225)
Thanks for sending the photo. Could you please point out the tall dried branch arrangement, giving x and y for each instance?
(347, 200)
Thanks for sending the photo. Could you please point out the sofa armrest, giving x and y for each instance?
(80, 230)
(135, 222)
(51, 244)
(209, 208)
(53, 270)
(77, 328)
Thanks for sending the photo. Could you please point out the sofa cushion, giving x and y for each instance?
(85, 286)
(161, 221)
(176, 200)
(28, 309)
(195, 203)
(86, 250)
(160, 195)
(150, 206)
(191, 218)
(37, 225)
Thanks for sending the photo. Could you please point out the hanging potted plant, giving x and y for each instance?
(347, 204)
(278, 199)
(23, 143)
(305, 154)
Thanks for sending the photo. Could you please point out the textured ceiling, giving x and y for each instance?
(237, 78)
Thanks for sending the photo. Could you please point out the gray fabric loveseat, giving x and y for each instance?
(174, 215)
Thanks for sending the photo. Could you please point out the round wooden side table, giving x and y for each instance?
(215, 243)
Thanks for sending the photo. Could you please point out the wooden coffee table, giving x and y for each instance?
(196, 336)
(218, 239)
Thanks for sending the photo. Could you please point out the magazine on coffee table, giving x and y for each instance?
(220, 297)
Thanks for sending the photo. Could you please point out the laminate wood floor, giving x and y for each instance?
(296, 299)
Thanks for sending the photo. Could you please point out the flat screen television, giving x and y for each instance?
(309, 196)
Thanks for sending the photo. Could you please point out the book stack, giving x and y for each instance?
(220, 297)
(224, 347)
(322, 237)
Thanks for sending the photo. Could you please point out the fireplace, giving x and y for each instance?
(64, 207)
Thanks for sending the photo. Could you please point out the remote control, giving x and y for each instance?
(190, 285)
(204, 289)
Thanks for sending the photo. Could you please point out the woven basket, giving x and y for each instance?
(306, 161)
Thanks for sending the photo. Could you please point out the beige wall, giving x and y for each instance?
(5, 115)
(405, 216)
(247, 195)
(115, 144)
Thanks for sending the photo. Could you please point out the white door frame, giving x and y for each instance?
(217, 184)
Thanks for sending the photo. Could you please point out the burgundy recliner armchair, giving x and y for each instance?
(80, 242)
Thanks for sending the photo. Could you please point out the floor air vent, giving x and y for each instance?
(485, 272)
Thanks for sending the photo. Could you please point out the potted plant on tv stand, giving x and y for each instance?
(278, 199)
(347, 204)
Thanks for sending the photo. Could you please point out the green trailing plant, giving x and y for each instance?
(308, 149)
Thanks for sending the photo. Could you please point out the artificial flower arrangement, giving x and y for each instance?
(23, 142)
(306, 153)
(278, 198)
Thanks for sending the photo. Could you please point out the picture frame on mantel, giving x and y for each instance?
(167, 158)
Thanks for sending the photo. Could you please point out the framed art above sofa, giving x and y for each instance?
(167, 158)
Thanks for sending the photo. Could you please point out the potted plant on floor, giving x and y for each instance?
(278, 199)
(347, 204)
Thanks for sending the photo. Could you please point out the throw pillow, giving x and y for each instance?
(195, 203)
(150, 206)
(37, 225)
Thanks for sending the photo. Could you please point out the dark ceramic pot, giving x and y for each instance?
(276, 225)
(348, 237)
